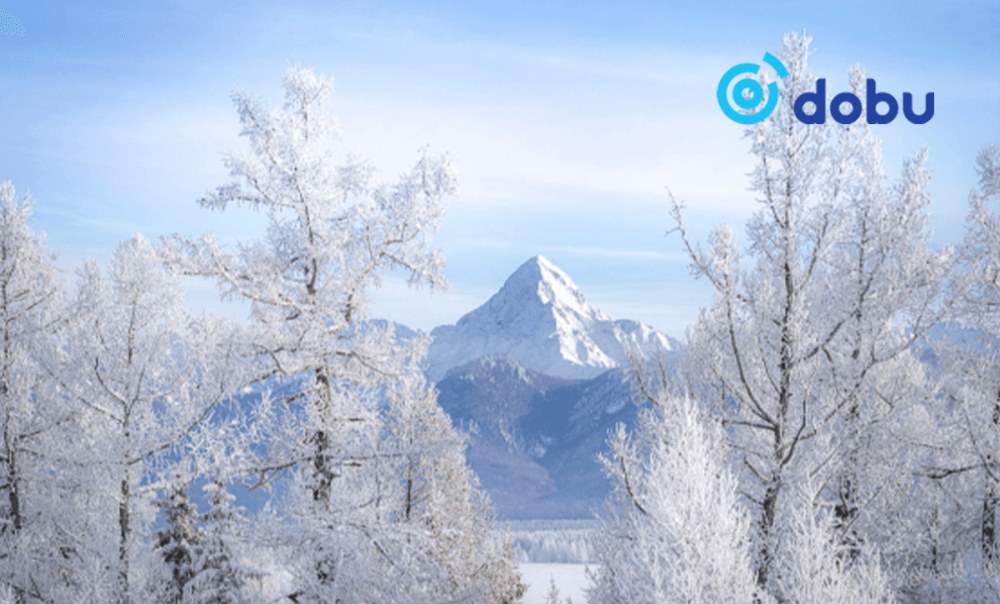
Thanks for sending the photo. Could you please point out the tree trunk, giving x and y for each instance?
(14, 501)
(782, 451)
(766, 553)
(991, 500)
(123, 525)
(990, 503)
(322, 474)
(846, 510)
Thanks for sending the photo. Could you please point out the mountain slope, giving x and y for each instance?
(536, 437)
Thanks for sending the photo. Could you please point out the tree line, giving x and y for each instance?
(117, 401)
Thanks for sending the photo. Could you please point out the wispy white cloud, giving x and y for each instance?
(622, 254)
(498, 150)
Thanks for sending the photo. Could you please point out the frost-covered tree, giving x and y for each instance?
(552, 597)
(175, 546)
(33, 545)
(431, 496)
(886, 280)
(675, 531)
(807, 349)
(218, 574)
(331, 236)
(146, 375)
(961, 522)
(981, 284)
(820, 567)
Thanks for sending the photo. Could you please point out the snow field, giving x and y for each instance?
(570, 579)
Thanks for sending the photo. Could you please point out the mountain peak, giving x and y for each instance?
(538, 287)
(538, 268)
(542, 319)
(546, 280)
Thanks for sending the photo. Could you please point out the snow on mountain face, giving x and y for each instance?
(540, 318)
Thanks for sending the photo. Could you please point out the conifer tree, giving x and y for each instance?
(219, 576)
(176, 545)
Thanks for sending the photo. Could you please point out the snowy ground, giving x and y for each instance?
(570, 579)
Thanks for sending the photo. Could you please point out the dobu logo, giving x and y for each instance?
(873, 98)
(748, 94)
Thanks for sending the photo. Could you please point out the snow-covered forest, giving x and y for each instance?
(830, 434)
(117, 401)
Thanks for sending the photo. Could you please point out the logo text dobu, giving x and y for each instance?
(873, 98)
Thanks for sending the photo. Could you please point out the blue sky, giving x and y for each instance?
(566, 120)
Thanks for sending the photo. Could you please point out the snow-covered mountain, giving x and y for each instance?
(540, 376)
(541, 319)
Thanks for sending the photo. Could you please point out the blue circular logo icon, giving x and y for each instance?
(748, 93)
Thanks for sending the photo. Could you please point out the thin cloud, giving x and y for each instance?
(623, 254)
